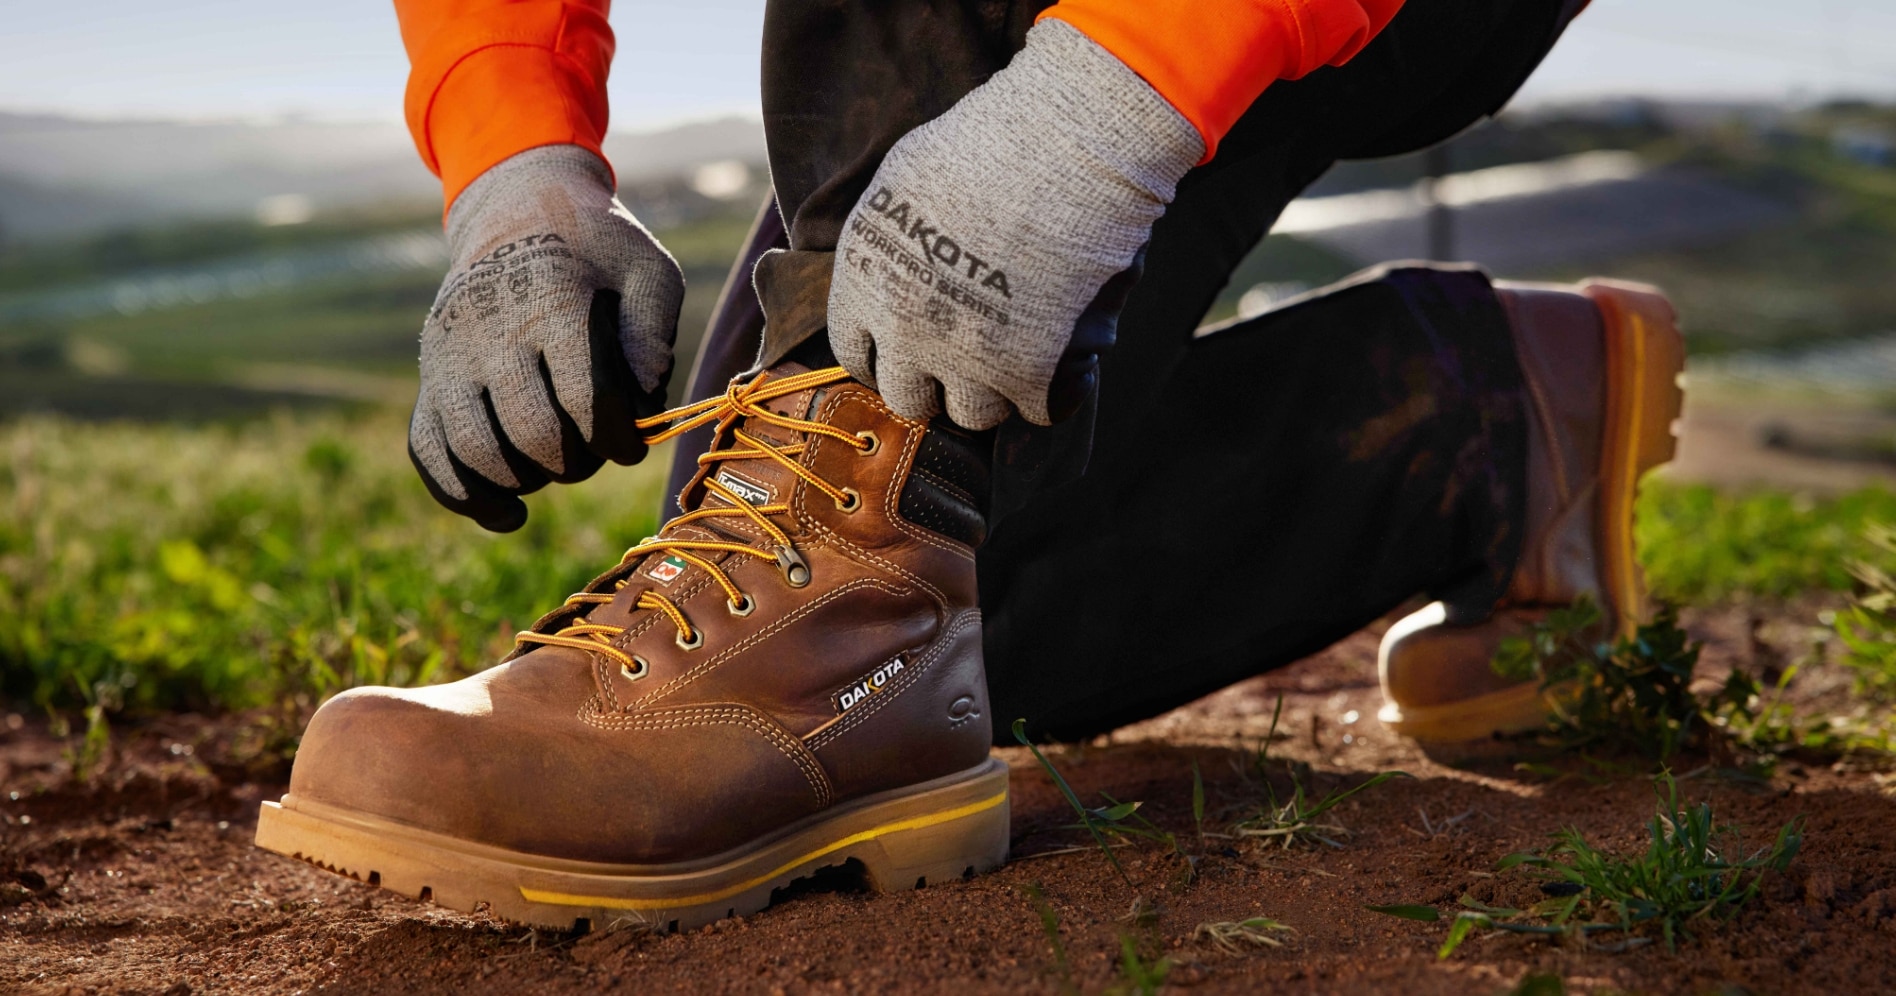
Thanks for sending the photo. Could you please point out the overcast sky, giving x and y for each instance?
(342, 59)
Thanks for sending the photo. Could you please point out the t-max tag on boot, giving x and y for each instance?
(749, 490)
(874, 682)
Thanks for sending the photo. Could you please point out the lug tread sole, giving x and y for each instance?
(939, 831)
(1520, 709)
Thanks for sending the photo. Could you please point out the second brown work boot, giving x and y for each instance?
(787, 678)
(1601, 362)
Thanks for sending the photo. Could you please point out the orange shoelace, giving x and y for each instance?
(741, 401)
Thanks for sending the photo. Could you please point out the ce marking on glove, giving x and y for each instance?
(861, 262)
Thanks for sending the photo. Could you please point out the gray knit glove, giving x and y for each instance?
(988, 232)
(551, 336)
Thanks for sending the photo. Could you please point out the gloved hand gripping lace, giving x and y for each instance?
(741, 401)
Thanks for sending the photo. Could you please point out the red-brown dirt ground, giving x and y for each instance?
(144, 880)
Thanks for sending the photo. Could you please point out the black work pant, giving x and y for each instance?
(1250, 494)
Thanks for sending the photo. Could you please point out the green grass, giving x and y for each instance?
(1635, 698)
(1701, 545)
(1632, 695)
(1868, 627)
(224, 566)
(367, 323)
(1115, 819)
(1139, 974)
(233, 567)
(1050, 926)
(1693, 871)
(196, 559)
(1296, 818)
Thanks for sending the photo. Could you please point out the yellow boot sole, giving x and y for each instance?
(933, 832)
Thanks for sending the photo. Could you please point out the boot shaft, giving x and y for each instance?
(860, 627)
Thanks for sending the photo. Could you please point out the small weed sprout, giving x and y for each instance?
(1692, 870)
(1868, 627)
(1633, 695)
(1762, 725)
(1142, 978)
(1142, 913)
(1119, 819)
(1533, 984)
(1408, 911)
(1765, 723)
(102, 698)
(1198, 802)
(1866, 630)
(1286, 822)
(1231, 936)
(1050, 925)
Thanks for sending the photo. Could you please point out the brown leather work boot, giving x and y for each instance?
(1602, 362)
(787, 678)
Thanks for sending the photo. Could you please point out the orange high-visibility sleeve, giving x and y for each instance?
(489, 78)
(1212, 58)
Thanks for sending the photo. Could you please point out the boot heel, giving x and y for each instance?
(1645, 356)
(944, 846)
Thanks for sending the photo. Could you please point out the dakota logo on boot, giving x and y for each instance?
(666, 571)
(750, 491)
(860, 692)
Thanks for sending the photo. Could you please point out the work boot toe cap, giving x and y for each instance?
(1425, 661)
(389, 752)
(1439, 684)
(505, 759)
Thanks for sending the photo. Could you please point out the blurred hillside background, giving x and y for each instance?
(270, 264)
(217, 245)
(224, 260)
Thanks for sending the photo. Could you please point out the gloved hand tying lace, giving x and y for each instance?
(550, 338)
(989, 232)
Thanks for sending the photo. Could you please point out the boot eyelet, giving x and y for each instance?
(852, 500)
(796, 571)
(742, 608)
(869, 436)
(697, 640)
(635, 670)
